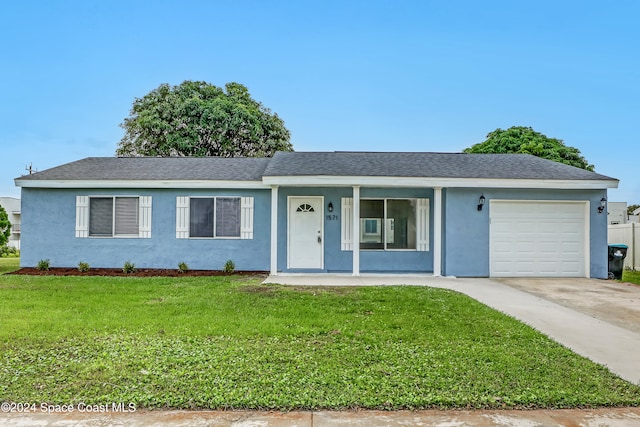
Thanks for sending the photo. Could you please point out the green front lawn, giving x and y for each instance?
(631, 276)
(9, 264)
(229, 342)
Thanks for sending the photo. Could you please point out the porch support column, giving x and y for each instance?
(274, 230)
(437, 231)
(356, 230)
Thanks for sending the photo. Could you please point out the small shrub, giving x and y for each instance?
(183, 267)
(83, 267)
(229, 266)
(9, 252)
(43, 265)
(129, 267)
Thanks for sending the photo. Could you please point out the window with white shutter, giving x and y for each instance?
(387, 224)
(113, 216)
(214, 217)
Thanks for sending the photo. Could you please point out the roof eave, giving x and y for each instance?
(385, 181)
(327, 181)
(61, 183)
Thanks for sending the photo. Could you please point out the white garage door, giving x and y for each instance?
(538, 239)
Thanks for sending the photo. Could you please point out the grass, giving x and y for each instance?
(631, 276)
(9, 264)
(229, 342)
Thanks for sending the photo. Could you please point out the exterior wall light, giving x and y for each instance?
(330, 207)
(481, 202)
(603, 204)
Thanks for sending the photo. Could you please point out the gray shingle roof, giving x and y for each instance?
(421, 164)
(157, 168)
(375, 164)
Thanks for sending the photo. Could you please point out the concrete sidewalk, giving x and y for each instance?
(610, 345)
(610, 417)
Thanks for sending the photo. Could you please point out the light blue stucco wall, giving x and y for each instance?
(48, 226)
(337, 260)
(48, 232)
(466, 235)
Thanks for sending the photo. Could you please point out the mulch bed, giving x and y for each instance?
(141, 272)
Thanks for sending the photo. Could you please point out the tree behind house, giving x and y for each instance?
(199, 119)
(5, 227)
(525, 140)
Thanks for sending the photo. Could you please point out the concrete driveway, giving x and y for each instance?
(607, 300)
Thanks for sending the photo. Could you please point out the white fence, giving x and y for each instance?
(628, 234)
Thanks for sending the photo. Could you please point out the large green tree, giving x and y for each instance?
(200, 119)
(525, 140)
(5, 227)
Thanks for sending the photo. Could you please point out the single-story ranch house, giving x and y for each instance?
(448, 214)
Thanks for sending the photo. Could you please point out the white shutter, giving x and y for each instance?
(182, 217)
(246, 218)
(145, 217)
(422, 227)
(82, 216)
(346, 228)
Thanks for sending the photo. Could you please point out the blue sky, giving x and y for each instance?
(344, 75)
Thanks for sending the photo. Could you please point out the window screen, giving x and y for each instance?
(214, 217)
(201, 217)
(227, 217)
(126, 216)
(101, 216)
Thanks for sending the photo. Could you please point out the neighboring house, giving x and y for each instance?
(617, 213)
(350, 212)
(12, 206)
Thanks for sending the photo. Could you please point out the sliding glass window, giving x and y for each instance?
(387, 224)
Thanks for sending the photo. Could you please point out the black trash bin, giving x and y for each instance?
(617, 254)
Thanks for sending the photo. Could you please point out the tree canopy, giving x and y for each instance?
(632, 208)
(199, 119)
(5, 227)
(525, 140)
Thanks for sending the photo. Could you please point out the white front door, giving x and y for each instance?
(305, 235)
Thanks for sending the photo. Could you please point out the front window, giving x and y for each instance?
(214, 217)
(387, 224)
(114, 216)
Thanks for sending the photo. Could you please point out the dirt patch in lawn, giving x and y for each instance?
(141, 272)
(271, 288)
